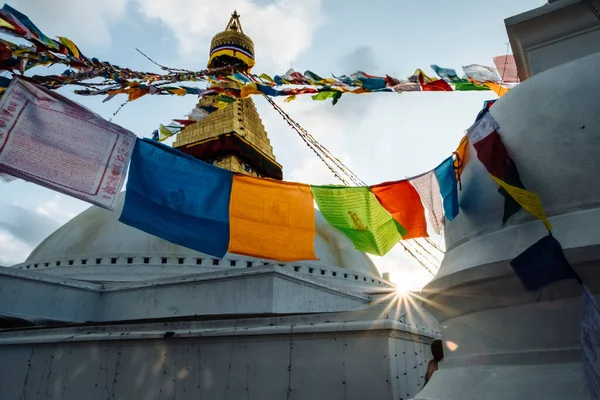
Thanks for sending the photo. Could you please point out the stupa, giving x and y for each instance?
(102, 310)
(503, 342)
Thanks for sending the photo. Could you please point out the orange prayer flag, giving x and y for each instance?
(461, 153)
(499, 90)
(404, 203)
(271, 219)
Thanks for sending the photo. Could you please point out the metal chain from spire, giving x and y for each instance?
(338, 168)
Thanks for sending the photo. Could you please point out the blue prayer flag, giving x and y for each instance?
(542, 263)
(446, 178)
(178, 198)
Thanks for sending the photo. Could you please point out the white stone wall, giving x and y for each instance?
(344, 364)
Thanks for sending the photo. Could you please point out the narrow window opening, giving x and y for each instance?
(215, 261)
(83, 261)
(129, 260)
(98, 261)
(180, 260)
(146, 260)
(113, 260)
(232, 263)
(248, 264)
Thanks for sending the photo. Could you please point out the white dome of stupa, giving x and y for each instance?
(95, 246)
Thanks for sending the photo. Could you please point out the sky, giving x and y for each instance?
(380, 136)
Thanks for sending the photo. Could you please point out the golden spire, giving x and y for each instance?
(232, 137)
(232, 46)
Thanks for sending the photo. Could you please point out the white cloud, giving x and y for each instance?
(87, 21)
(281, 29)
(12, 250)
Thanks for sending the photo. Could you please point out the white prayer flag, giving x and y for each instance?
(49, 140)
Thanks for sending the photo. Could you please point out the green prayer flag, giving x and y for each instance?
(467, 86)
(325, 95)
(356, 212)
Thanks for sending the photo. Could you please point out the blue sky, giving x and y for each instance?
(384, 136)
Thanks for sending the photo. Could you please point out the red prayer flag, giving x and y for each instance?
(404, 203)
(507, 68)
(492, 154)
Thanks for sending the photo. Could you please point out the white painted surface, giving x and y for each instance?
(553, 34)
(97, 234)
(503, 342)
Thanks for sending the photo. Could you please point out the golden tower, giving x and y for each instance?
(232, 137)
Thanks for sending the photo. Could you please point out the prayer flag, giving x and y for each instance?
(446, 177)
(446, 74)
(356, 212)
(49, 140)
(507, 68)
(178, 198)
(429, 190)
(272, 219)
(481, 73)
(402, 200)
(469, 86)
(528, 200)
(461, 156)
(542, 264)
(493, 155)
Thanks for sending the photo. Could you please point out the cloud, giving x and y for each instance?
(12, 250)
(360, 59)
(281, 29)
(26, 225)
(88, 21)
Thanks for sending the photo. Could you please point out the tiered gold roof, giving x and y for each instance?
(233, 137)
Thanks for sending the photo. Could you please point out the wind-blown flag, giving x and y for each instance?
(491, 152)
(507, 68)
(356, 212)
(542, 264)
(49, 140)
(178, 198)
(402, 200)
(271, 219)
(481, 73)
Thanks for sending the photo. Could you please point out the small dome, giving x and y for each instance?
(97, 233)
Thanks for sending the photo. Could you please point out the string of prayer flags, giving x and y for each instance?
(491, 152)
(49, 140)
(271, 219)
(356, 212)
(178, 198)
(403, 202)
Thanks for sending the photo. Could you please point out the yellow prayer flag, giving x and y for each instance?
(6, 24)
(249, 89)
(71, 46)
(164, 133)
(271, 219)
(528, 200)
(290, 98)
(266, 78)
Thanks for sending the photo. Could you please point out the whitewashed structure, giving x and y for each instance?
(503, 342)
(104, 309)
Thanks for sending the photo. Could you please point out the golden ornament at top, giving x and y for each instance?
(232, 46)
